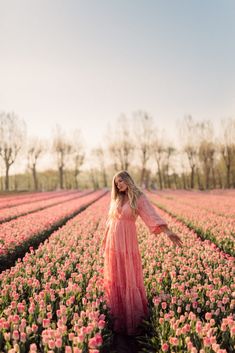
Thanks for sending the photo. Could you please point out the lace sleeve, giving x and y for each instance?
(146, 211)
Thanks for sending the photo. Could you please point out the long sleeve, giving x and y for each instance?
(148, 214)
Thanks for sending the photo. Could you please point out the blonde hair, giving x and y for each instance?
(133, 193)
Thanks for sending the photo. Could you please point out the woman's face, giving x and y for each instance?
(121, 185)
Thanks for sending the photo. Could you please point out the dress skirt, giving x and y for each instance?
(123, 277)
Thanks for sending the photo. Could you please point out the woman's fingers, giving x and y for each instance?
(176, 240)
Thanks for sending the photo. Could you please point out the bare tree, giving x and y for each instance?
(144, 132)
(158, 153)
(36, 148)
(100, 155)
(169, 151)
(183, 170)
(12, 137)
(227, 147)
(62, 147)
(189, 136)
(120, 144)
(94, 178)
(78, 155)
(206, 149)
(206, 155)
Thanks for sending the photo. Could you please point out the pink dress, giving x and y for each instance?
(123, 276)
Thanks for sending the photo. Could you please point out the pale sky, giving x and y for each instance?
(83, 63)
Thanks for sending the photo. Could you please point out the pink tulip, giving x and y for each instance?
(77, 350)
(71, 336)
(174, 341)
(15, 335)
(7, 336)
(165, 347)
(92, 342)
(206, 341)
(58, 343)
(45, 323)
(15, 319)
(99, 339)
(101, 324)
(193, 350)
(21, 307)
(33, 347)
(51, 344)
(208, 316)
(23, 337)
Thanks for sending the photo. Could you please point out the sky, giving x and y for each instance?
(81, 64)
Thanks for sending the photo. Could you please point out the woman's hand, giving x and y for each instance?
(174, 237)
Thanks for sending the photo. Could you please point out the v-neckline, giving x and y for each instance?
(124, 203)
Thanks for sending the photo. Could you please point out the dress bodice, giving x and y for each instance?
(124, 212)
(145, 210)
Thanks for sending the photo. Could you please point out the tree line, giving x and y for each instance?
(201, 160)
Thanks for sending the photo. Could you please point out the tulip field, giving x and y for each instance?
(52, 296)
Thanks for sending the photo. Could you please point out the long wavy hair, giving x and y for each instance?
(133, 193)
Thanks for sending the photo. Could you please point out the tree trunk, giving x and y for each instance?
(61, 177)
(199, 180)
(7, 177)
(159, 173)
(192, 176)
(164, 180)
(207, 178)
(220, 179)
(175, 180)
(168, 177)
(76, 172)
(228, 168)
(105, 181)
(213, 177)
(35, 179)
(184, 181)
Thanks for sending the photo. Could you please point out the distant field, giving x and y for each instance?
(52, 297)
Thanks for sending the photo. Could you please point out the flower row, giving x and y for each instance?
(13, 212)
(18, 234)
(190, 290)
(222, 204)
(52, 300)
(16, 200)
(217, 228)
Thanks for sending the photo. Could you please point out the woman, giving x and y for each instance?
(123, 276)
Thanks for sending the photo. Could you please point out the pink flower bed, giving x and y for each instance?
(15, 233)
(10, 201)
(16, 211)
(191, 289)
(211, 225)
(221, 203)
(53, 300)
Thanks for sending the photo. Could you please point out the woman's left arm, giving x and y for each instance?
(154, 222)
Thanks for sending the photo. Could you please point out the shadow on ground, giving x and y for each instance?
(122, 343)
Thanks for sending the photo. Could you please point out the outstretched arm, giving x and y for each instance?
(154, 222)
